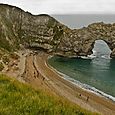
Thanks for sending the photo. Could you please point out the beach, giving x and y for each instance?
(53, 81)
(37, 72)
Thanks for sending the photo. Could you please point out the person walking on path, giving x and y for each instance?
(87, 98)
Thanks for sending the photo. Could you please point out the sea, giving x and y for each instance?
(95, 73)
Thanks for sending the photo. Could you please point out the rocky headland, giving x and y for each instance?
(19, 28)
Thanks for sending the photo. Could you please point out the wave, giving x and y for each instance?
(92, 56)
(85, 57)
(106, 56)
(96, 54)
(89, 57)
(85, 86)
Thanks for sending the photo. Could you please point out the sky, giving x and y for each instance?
(64, 6)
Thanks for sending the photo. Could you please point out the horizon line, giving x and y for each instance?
(69, 13)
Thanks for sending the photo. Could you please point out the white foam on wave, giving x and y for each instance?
(89, 57)
(96, 55)
(94, 51)
(85, 86)
(92, 56)
(106, 56)
(84, 57)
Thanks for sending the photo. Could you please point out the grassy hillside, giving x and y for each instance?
(20, 99)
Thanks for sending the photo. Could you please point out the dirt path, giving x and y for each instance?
(33, 75)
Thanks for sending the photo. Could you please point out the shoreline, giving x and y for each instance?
(84, 86)
(98, 99)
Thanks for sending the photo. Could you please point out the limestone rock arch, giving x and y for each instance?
(81, 41)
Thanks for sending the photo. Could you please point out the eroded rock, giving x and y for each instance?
(45, 33)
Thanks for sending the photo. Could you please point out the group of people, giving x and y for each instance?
(87, 99)
(38, 74)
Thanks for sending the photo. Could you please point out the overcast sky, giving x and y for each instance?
(64, 6)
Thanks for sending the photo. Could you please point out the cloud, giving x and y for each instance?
(64, 6)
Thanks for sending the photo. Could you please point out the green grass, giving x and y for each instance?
(21, 99)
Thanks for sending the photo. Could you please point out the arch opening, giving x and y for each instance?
(101, 50)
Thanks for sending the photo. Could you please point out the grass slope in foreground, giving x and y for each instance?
(21, 99)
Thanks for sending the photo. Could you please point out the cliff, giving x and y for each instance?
(43, 32)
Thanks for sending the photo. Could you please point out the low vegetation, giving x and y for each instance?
(20, 99)
(1, 66)
(5, 59)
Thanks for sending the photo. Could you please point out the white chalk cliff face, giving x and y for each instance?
(45, 33)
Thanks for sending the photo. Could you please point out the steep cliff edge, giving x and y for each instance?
(44, 32)
(19, 27)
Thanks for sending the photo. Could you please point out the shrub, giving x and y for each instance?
(5, 59)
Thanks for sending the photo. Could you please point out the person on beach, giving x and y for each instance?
(34, 74)
(43, 78)
(38, 74)
(87, 98)
(80, 95)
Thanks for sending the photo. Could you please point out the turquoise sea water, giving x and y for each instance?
(98, 72)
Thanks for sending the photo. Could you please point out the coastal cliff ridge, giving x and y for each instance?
(43, 32)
